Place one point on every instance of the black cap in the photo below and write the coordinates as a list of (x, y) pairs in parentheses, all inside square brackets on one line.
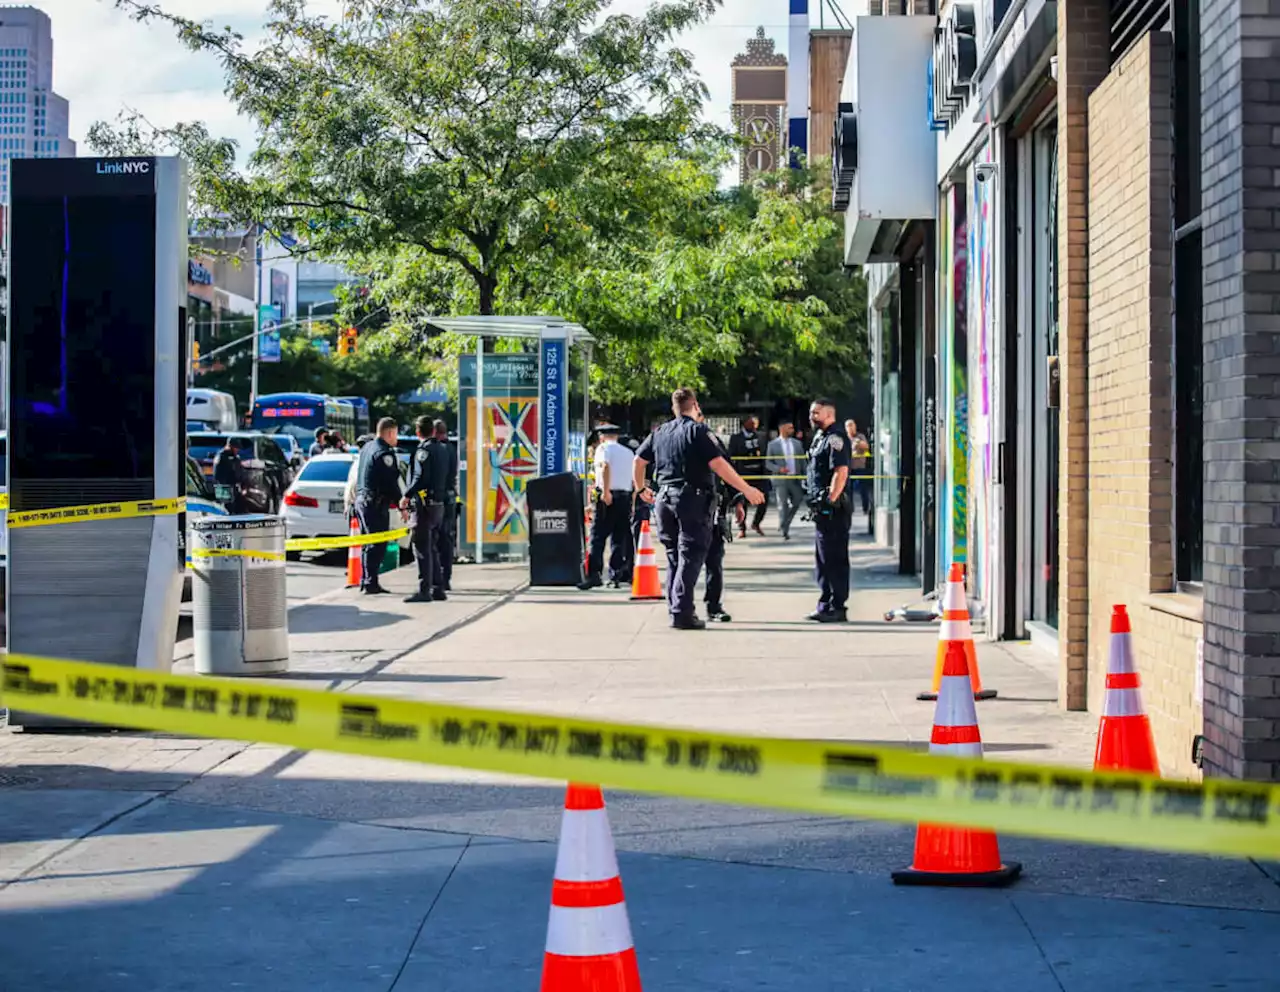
[(608, 429)]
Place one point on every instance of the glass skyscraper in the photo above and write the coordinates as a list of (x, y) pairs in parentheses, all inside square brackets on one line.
[(33, 119)]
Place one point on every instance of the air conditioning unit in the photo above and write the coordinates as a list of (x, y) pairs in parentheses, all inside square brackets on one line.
[(884, 168)]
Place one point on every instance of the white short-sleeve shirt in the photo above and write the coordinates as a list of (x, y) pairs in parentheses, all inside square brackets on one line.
[(620, 459)]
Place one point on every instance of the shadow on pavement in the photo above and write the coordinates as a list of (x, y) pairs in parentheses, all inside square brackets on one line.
[(324, 618)]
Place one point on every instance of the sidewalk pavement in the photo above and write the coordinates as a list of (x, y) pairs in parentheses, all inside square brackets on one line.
[(148, 862)]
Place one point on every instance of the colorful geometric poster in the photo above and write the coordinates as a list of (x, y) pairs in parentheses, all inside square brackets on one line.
[(505, 419)]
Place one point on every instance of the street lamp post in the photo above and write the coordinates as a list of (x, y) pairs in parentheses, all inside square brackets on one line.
[(257, 315)]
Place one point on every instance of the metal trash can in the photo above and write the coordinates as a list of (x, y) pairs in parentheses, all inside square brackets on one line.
[(239, 610)]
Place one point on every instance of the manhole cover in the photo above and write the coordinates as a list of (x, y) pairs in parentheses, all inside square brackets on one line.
[(8, 779)]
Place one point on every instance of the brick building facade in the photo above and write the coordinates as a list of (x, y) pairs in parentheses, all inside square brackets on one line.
[(1100, 372)]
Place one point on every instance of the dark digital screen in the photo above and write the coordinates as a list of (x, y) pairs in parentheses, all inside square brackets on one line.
[(82, 335)]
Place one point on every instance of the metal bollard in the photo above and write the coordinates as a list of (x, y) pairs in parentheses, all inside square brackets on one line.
[(239, 606)]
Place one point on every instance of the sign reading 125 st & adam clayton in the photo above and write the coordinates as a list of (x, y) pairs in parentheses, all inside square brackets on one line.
[(552, 411)]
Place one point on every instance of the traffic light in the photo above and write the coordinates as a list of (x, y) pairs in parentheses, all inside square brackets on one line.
[(195, 356), (347, 341)]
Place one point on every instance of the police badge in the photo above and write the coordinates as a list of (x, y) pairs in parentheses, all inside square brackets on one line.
[(837, 442), (389, 460)]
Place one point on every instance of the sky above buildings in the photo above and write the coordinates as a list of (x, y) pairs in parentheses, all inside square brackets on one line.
[(104, 62)]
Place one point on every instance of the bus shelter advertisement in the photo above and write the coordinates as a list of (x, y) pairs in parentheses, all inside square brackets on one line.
[(504, 419)]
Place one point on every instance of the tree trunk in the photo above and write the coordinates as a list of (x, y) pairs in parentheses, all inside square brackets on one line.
[(487, 285)]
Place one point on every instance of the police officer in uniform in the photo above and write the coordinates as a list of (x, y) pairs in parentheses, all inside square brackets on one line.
[(378, 489), (611, 509), (832, 510), (685, 460), (444, 483), (425, 499), (747, 455), (721, 535)]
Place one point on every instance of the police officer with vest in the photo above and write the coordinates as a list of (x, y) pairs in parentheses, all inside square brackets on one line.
[(426, 500), (378, 489), (832, 510), (686, 461)]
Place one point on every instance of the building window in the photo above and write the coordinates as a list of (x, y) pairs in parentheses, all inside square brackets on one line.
[(1188, 313)]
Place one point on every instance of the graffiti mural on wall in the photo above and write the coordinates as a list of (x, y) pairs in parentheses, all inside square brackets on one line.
[(959, 414), (980, 304)]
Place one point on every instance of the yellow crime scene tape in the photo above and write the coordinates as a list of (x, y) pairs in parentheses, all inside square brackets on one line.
[(95, 511), (350, 541), (838, 778), (236, 553)]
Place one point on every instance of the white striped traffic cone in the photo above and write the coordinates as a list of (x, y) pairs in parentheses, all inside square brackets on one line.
[(354, 566), (644, 576), (1125, 741), (589, 946), (955, 626), (946, 855)]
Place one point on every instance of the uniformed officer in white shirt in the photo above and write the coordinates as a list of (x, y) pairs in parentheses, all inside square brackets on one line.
[(612, 517)]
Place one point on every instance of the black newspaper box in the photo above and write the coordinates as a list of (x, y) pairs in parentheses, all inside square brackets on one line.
[(556, 539)]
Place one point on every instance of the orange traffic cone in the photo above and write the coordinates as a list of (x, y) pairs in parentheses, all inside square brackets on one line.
[(959, 856), (644, 577), (589, 946), (353, 557), (1124, 734), (955, 627)]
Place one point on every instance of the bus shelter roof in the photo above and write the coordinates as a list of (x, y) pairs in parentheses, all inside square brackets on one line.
[(512, 327)]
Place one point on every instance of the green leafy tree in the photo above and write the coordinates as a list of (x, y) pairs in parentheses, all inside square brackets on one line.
[(513, 156), (830, 360), (454, 128)]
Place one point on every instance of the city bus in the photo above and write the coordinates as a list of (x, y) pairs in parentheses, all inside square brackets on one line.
[(361, 406), (300, 414)]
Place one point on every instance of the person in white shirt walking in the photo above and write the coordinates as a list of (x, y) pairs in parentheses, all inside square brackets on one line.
[(783, 463), (611, 521)]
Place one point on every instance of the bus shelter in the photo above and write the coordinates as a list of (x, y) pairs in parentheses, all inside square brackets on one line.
[(521, 414)]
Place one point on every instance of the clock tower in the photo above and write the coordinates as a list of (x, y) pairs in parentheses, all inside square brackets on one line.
[(759, 107)]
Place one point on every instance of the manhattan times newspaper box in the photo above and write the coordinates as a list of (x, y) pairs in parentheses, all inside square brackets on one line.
[(556, 539)]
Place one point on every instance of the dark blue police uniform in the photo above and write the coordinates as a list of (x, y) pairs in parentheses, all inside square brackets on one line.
[(829, 451), (444, 486), (720, 517), (377, 491), (427, 496), (681, 452)]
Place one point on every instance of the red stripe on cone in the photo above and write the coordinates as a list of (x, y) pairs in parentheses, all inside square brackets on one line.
[(598, 973), (577, 895)]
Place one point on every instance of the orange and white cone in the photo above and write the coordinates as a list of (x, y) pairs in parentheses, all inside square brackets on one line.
[(1124, 733), (956, 856), (353, 557), (644, 577), (955, 626), (589, 945)]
